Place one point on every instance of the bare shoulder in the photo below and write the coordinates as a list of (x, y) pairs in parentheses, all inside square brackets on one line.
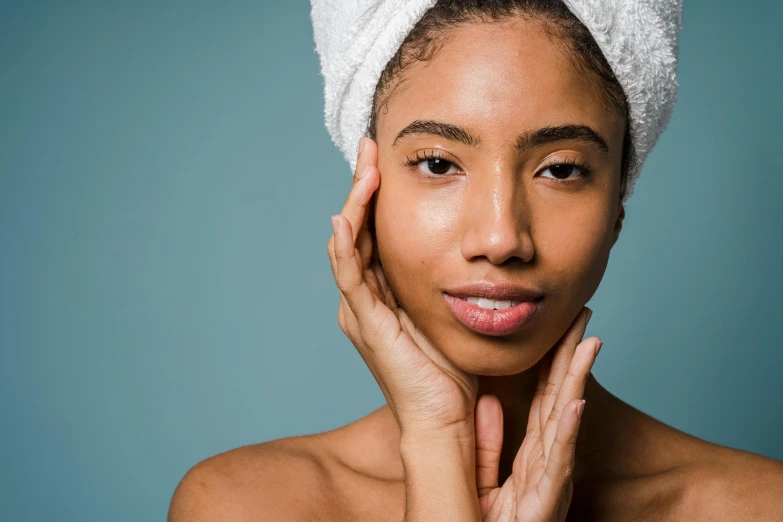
[(664, 473), (283, 479), (729, 484)]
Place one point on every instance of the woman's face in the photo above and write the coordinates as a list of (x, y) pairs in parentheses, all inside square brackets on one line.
[(527, 193)]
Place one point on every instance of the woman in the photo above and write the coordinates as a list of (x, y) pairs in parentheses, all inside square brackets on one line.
[(488, 193)]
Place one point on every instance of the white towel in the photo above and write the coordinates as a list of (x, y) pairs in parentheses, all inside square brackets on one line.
[(355, 39)]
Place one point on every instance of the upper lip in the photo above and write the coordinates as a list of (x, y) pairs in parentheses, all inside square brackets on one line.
[(498, 291)]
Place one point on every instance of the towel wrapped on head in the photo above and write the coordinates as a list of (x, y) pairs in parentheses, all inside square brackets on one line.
[(355, 39)]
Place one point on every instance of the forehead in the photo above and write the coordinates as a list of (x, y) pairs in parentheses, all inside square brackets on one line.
[(500, 78)]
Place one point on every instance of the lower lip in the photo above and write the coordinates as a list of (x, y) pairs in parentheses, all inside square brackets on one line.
[(492, 322)]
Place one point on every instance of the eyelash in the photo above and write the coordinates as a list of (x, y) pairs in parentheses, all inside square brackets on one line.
[(586, 170), (413, 162)]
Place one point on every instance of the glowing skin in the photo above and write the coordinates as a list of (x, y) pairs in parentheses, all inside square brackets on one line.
[(497, 213)]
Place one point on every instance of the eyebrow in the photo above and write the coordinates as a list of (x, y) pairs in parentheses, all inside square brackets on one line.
[(437, 128), (542, 136)]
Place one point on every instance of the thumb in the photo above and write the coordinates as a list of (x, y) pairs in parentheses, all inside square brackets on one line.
[(489, 442)]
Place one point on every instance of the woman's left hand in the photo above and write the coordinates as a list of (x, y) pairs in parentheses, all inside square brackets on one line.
[(539, 488)]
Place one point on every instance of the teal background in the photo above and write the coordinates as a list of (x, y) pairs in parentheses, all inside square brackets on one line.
[(166, 182)]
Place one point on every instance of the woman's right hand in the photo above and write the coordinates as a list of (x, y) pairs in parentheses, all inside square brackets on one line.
[(427, 394)]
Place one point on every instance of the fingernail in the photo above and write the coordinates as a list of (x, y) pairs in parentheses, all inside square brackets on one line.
[(364, 171), (600, 343), (580, 409), (361, 145), (334, 223)]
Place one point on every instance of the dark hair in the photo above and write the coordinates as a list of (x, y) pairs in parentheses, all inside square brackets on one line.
[(423, 40)]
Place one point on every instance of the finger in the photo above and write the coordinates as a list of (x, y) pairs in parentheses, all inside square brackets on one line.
[(350, 327), (347, 320), (347, 268), (373, 317), (365, 181), (362, 315), (560, 464), (365, 155), (388, 295), (364, 240), (373, 283), (533, 418), (343, 261), (573, 387), (533, 431), (489, 442), (330, 252), (564, 353), (371, 276)]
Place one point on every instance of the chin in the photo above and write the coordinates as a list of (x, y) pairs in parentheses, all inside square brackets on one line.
[(477, 353), (485, 355)]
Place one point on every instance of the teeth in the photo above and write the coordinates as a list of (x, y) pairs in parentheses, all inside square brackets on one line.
[(490, 304)]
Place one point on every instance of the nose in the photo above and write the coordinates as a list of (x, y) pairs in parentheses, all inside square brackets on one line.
[(497, 219)]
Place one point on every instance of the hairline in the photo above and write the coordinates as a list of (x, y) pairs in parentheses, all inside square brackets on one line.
[(553, 27)]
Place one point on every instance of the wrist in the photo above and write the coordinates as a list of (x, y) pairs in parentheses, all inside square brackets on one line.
[(457, 434), (440, 478), (457, 440), (421, 444)]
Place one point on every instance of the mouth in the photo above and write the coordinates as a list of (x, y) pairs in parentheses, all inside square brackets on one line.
[(495, 309)]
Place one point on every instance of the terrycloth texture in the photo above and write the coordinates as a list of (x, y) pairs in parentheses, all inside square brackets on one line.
[(355, 39)]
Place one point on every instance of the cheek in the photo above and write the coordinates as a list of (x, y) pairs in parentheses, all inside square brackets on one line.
[(415, 231), (573, 248)]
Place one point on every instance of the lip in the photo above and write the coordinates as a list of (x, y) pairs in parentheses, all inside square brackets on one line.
[(493, 322), (499, 291)]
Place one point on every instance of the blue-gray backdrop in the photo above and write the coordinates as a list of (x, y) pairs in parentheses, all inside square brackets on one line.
[(166, 182)]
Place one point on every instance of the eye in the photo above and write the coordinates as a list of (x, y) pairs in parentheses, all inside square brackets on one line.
[(432, 164), (437, 166), (565, 171)]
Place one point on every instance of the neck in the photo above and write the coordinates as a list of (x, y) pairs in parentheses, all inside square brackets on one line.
[(515, 393)]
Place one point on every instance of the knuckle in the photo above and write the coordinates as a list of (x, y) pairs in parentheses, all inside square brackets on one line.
[(338, 253), (384, 330), (344, 289), (348, 326), (354, 336), (551, 388), (344, 253)]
